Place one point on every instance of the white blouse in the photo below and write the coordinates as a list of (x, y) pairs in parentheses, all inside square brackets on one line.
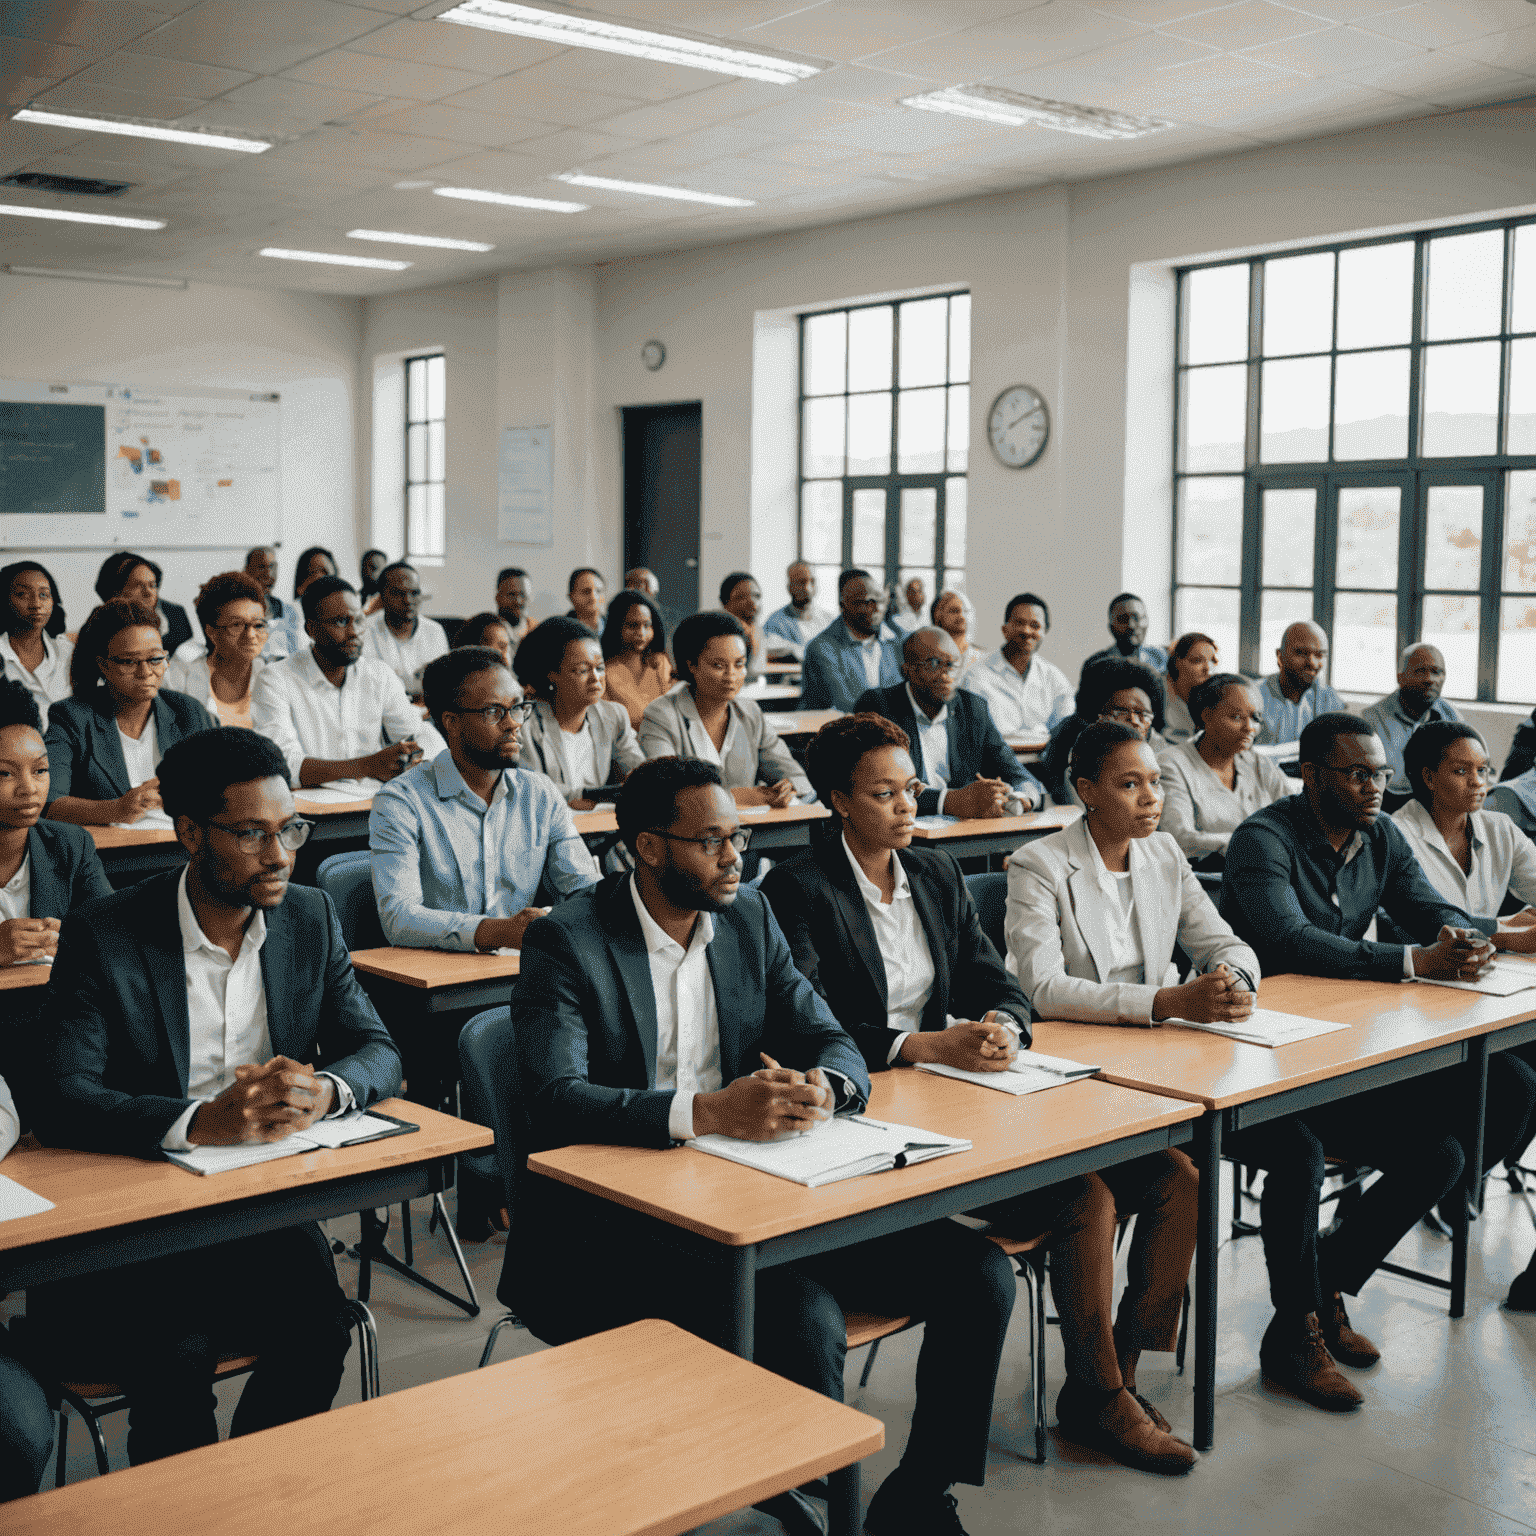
[(904, 948), (1199, 810), (50, 682), (1503, 859)]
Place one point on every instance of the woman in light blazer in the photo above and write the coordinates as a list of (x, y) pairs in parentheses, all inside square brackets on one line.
[(704, 716), (574, 736)]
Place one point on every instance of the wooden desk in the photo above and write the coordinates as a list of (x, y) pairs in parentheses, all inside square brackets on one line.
[(111, 1210), (782, 668), (344, 822), (130, 854), (602, 1437), (438, 980), (772, 829), (802, 722), (978, 838), (774, 696), (17, 978)]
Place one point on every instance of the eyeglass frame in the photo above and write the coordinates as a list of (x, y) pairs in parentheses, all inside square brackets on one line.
[(156, 663), (1380, 777), (704, 842), (523, 709), (259, 626), (249, 839), (1123, 714)]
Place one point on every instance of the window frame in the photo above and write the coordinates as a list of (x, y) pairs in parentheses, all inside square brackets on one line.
[(419, 556)]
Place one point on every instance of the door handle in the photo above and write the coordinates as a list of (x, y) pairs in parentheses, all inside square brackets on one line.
[(691, 563)]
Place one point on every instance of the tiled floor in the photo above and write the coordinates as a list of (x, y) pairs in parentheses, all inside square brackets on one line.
[(1446, 1442)]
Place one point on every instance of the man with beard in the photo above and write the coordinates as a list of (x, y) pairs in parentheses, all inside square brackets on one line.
[(514, 591), (1420, 677), (1027, 695), (1297, 694)]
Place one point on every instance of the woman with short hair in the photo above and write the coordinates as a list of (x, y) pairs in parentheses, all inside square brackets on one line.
[(221, 672), (138, 580)]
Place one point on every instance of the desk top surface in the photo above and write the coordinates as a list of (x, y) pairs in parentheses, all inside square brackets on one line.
[(752, 817), (17, 978), (735, 1205), (332, 808), (429, 968), (1388, 1020), (1052, 819), (129, 837), (99, 1191), (802, 722), (585, 1439)]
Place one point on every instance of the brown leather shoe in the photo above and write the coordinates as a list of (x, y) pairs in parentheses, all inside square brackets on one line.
[(1151, 1412), (1122, 1430), (1345, 1345), (1293, 1354)]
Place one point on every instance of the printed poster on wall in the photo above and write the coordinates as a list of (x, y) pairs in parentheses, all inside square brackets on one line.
[(525, 511)]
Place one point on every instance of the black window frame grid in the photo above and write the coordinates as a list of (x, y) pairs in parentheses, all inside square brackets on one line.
[(425, 358)]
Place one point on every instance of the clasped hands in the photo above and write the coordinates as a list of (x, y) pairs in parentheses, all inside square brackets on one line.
[(969, 1044), (28, 938), (770, 1105), (264, 1103), (1459, 954)]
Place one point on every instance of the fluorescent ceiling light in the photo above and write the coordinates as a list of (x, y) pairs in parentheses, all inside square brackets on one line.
[(87, 276), (506, 199), (69, 216), (647, 189), (136, 130), (437, 242), (331, 260), (1012, 109), (610, 37)]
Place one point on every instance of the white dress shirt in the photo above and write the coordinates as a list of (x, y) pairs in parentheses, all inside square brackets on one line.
[(1027, 707), (1128, 964), (869, 655), (933, 736), (10, 1121), (16, 901), (405, 658), (580, 757), (50, 682), (1503, 860), (704, 743), (141, 758), (687, 1025)]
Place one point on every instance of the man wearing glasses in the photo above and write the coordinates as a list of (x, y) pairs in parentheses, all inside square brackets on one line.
[(209, 1006), (341, 718), (954, 742)]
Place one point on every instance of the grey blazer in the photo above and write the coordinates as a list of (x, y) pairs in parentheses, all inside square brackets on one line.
[(753, 752), (1059, 922), (615, 751)]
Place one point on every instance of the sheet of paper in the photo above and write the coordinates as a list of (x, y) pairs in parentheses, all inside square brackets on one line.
[(1062, 1066), (246, 1155), (1016, 1080), (347, 1129), (17, 1200), (340, 791), (841, 1148), (1501, 981), (1267, 1026)]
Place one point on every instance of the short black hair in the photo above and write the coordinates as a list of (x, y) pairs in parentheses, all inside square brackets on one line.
[(840, 745), (542, 650), (731, 582), (369, 585), (442, 678), (1031, 598), (853, 573), (583, 570), (1104, 676), (1209, 694), (1426, 747), (1183, 646), (115, 571), (472, 630), (511, 570), (649, 796), (1093, 746), (696, 631), (8, 573), (196, 771), (618, 611), (226, 587), (303, 563), (1319, 735), (321, 588), (395, 565), (17, 706), (1126, 597)]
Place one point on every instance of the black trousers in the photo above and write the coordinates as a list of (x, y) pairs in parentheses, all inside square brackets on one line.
[(26, 1427), (159, 1328)]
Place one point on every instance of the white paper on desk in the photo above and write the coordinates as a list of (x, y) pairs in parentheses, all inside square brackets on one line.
[(932, 823), (346, 1129), (1028, 1072), (323, 1134), (842, 1148), (150, 821), (340, 791), (753, 810), (1501, 981), (1266, 1026), (17, 1200)]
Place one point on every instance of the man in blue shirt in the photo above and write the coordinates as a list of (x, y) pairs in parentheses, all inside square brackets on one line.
[(460, 845), (1420, 677), (849, 656), (1128, 624), (1297, 694), (791, 628)]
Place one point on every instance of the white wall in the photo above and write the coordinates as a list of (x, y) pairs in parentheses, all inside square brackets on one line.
[(303, 346)]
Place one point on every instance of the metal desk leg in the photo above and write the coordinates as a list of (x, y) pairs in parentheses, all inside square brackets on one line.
[(844, 1515), (1472, 1180), (742, 1301), (1207, 1151)]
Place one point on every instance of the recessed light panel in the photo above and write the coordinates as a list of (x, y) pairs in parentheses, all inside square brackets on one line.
[(508, 200), (69, 216), (1013, 109), (650, 189), (437, 242), (330, 259), (137, 130)]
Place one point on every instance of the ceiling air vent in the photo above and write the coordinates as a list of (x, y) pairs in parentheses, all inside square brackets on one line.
[(74, 186)]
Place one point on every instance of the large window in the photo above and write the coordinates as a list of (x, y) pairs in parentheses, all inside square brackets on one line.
[(884, 433), (1356, 444), (425, 458)]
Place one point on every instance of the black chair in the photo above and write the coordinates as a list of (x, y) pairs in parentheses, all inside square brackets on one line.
[(990, 893)]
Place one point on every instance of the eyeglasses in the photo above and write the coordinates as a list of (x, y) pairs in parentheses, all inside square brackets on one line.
[(1128, 716), (711, 845), (342, 625), (494, 714), (139, 663), (258, 628), (585, 672), (291, 835), (1358, 778), (933, 665)]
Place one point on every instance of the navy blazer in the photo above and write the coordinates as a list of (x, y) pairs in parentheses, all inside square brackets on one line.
[(178, 627), (826, 922), (118, 1034), (85, 757), (66, 869), (832, 676), (975, 743)]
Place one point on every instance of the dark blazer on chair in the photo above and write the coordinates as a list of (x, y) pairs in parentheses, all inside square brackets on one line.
[(975, 744), (85, 757), (118, 1031), (178, 627), (66, 869), (824, 918)]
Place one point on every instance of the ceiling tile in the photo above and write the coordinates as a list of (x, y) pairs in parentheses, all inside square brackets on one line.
[(21, 142), (860, 84), (1157, 13), (585, 69), (1348, 10), (565, 150), (1060, 30), (486, 130), (263, 36), (804, 154), (293, 102), (805, 118), (1135, 59), (651, 122), (731, 99), (492, 170), (1445, 80), (77, 96), (374, 75), (85, 23), (907, 132), (1245, 25), (454, 47), (706, 16), (371, 151), (850, 29), (1508, 50), (18, 90), (1449, 21), (548, 105), (687, 149), (1334, 52), (45, 61), (166, 77), (1314, 100)]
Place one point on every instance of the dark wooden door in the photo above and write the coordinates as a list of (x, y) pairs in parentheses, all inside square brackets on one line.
[(662, 477)]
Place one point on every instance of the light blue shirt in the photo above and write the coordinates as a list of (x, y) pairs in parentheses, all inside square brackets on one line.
[(1283, 720), (1395, 725), (444, 860), (1153, 656)]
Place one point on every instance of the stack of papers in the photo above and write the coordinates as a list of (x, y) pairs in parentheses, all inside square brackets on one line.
[(17, 1200), (1029, 1072), (1504, 979), (341, 1132), (842, 1148), (1264, 1026)]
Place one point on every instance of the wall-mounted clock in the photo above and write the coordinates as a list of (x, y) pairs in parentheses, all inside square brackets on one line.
[(653, 355), (1018, 426)]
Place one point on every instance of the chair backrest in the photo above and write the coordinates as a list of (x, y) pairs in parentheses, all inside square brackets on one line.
[(990, 893), (347, 878), (488, 1085)]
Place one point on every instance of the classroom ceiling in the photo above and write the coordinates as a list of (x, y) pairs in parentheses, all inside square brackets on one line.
[(374, 103)]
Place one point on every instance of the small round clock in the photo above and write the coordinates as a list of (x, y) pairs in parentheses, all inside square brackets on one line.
[(1018, 426), (653, 355)]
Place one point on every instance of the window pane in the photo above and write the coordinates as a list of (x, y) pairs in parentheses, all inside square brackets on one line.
[(1290, 528), (960, 339), (821, 437), (1298, 304), (437, 388), (436, 452), (1522, 397), (1451, 623), (954, 521), (1293, 420), (1211, 530), (1370, 406), (957, 451), (1368, 518), (869, 531), (1517, 650), (415, 453), (821, 522), (1212, 418), (1376, 295), (1277, 611), (920, 432), (1453, 538), (434, 541), (869, 434), (1213, 613), (1365, 641), (924, 342), (869, 348), (1524, 317), (1216, 314), (826, 583), (1466, 281), (826, 354), (1519, 533), (415, 516), (416, 390), (919, 525), (954, 581), (1461, 399)]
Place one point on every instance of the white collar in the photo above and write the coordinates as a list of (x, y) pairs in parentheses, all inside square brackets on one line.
[(921, 715), (1416, 812), (194, 939), (657, 940), (871, 892), (863, 645), (1108, 879)]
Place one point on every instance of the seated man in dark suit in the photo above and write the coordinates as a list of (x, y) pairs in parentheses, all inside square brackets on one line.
[(194, 1009), (642, 1013), (954, 742)]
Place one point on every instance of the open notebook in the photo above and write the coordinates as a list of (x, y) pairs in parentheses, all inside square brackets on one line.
[(344, 1131), (841, 1148), (1502, 979), (1029, 1072), (1266, 1026)]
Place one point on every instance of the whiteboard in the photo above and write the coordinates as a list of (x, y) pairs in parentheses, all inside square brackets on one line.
[(111, 464)]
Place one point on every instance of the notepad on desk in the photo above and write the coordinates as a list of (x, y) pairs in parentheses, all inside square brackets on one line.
[(17, 1200), (1266, 1026), (1028, 1072), (843, 1148), (344, 1131), (1501, 980)]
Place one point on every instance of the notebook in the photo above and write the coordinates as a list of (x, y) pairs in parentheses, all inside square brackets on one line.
[(17, 1200), (843, 1148), (344, 1131), (1029, 1072), (1503, 980), (1266, 1026)]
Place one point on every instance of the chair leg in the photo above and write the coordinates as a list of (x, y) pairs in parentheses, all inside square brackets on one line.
[(408, 1239), (360, 1318), (509, 1320), (869, 1364), (1036, 1282), (99, 1440), (58, 1475), (1178, 1354)]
